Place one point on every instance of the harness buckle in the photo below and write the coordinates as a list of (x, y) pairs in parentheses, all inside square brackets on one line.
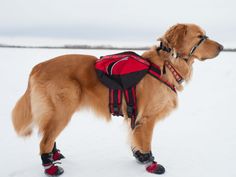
[(116, 109), (130, 111), (181, 81)]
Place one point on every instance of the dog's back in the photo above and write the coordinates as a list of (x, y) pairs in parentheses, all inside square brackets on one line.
[(57, 88)]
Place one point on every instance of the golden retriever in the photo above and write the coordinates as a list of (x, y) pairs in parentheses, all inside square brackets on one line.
[(65, 84)]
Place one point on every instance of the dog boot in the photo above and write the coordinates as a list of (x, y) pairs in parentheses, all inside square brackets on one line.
[(51, 169), (56, 154), (148, 159), (143, 158), (154, 167)]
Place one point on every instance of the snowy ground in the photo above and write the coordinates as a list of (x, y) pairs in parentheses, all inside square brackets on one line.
[(197, 140)]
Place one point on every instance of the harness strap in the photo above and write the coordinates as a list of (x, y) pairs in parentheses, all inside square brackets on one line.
[(202, 39), (130, 97), (115, 100), (155, 71)]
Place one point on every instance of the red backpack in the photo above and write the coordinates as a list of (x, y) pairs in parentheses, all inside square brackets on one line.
[(121, 73)]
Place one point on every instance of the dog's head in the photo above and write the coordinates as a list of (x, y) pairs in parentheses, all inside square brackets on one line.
[(184, 37)]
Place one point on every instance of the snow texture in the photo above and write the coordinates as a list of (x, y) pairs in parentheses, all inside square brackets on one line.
[(197, 140)]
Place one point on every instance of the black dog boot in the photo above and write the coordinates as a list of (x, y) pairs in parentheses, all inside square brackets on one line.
[(148, 159), (57, 156), (143, 158), (51, 169)]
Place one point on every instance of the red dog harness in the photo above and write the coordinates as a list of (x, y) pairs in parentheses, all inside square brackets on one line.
[(121, 73)]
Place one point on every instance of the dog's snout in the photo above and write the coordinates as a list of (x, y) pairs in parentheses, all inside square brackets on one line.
[(221, 47)]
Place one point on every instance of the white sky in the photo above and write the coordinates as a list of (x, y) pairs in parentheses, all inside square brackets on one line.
[(115, 20)]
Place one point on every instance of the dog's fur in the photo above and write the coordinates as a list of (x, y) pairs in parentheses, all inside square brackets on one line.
[(60, 86)]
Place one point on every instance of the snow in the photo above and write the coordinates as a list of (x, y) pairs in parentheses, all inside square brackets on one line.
[(198, 139)]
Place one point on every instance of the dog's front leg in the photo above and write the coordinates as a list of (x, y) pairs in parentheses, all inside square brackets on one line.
[(141, 138)]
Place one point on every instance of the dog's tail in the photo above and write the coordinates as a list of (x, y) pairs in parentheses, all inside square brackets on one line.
[(22, 116)]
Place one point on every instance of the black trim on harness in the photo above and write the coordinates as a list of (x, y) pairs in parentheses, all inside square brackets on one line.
[(130, 98), (155, 69), (115, 100)]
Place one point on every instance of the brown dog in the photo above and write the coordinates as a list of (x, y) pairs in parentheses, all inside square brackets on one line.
[(60, 86)]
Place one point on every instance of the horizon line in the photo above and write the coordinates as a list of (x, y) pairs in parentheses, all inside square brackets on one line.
[(88, 47)]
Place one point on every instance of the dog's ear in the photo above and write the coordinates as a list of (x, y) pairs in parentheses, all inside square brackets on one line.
[(175, 36)]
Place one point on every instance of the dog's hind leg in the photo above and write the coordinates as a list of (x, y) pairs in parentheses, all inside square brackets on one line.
[(53, 108), (50, 133), (47, 145)]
